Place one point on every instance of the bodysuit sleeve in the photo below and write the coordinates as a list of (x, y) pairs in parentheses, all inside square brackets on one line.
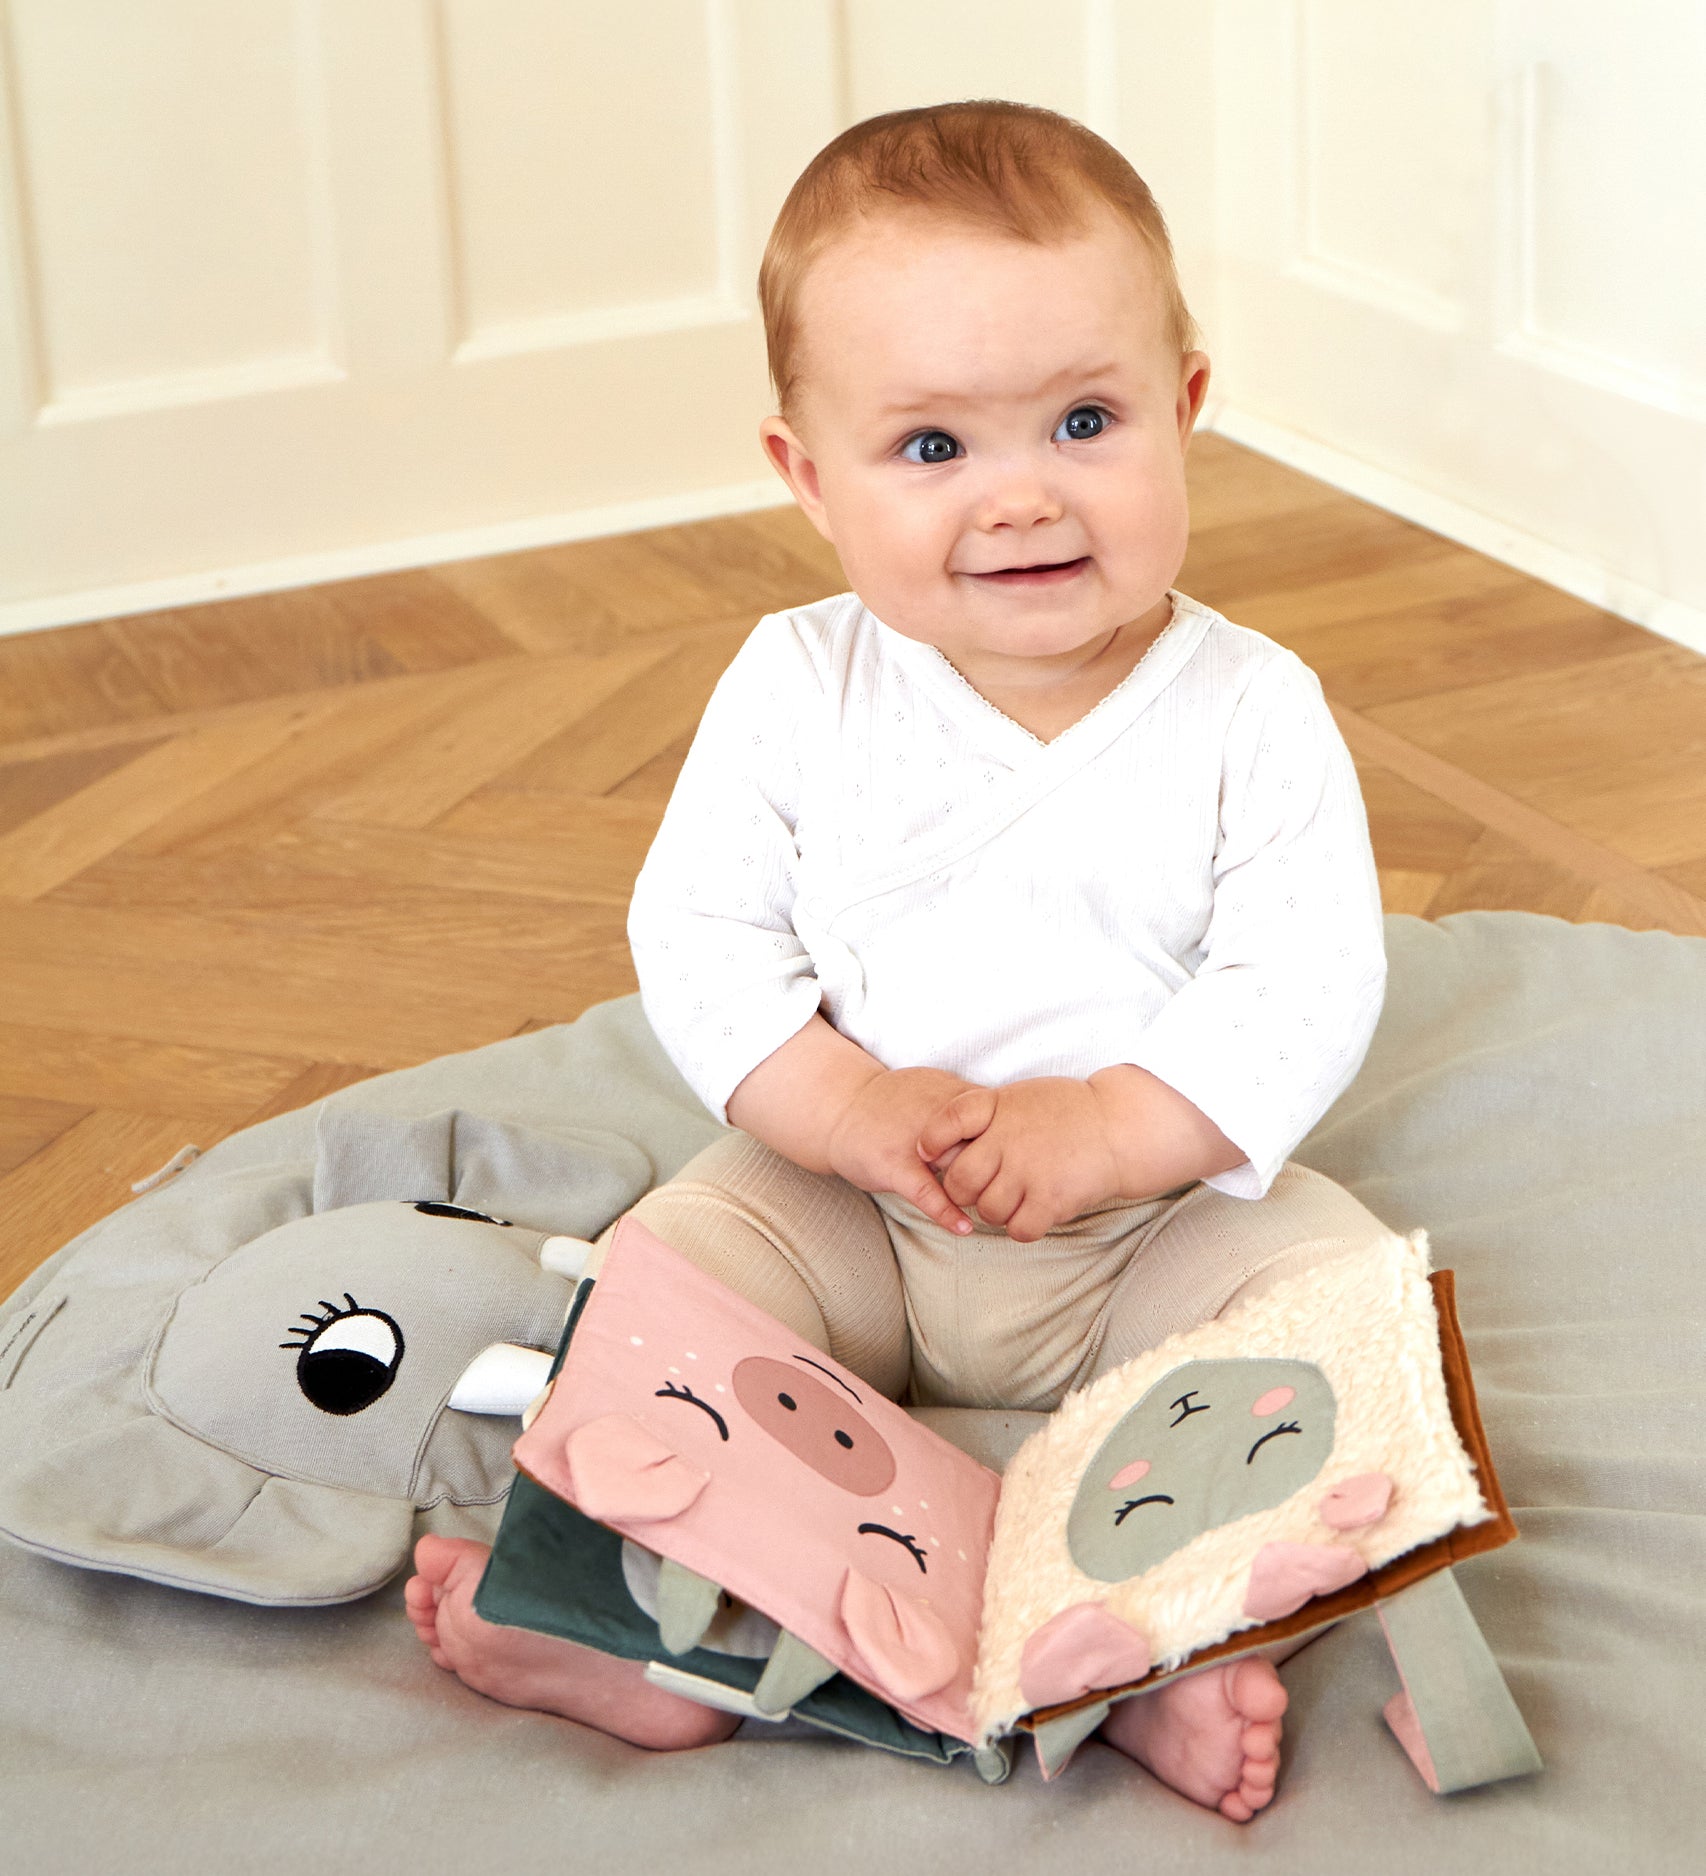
[(1278, 1017), (723, 978)]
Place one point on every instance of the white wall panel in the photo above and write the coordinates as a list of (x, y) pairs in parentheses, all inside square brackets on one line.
[(902, 53), (603, 204), (1391, 150), (1611, 233), (172, 198)]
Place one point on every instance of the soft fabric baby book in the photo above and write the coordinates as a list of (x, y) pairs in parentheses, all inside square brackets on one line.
[(708, 1493)]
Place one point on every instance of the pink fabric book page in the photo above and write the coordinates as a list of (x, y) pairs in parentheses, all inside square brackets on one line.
[(702, 1428)]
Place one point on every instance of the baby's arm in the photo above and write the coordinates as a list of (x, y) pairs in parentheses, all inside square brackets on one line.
[(1036, 1153), (727, 983), (828, 1106), (1248, 1054)]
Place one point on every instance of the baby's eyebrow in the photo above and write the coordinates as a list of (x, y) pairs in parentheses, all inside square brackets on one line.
[(930, 403)]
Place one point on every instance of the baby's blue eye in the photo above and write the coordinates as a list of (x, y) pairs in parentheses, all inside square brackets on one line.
[(930, 446), (1078, 425)]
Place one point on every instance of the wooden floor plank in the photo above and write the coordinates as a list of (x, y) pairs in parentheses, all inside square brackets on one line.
[(83, 1070), (1436, 646), (353, 730), (28, 1123), (1554, 847), (126, 802), (637, 722), (32, 785), (328, 983), (531, 703), (74, 678), (84, 1174), (591, 595)]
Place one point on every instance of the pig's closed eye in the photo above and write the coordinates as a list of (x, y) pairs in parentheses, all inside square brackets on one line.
[(671, 1391), (910, 1543), (1273, 1433)]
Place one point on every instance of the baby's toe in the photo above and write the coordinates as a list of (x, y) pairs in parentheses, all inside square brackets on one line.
[(1260, 1740)]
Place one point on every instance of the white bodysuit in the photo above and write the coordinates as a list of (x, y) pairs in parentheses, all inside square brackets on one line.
[(1182, 879)]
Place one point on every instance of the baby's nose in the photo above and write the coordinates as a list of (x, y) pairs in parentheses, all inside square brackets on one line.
[(1019, 493)]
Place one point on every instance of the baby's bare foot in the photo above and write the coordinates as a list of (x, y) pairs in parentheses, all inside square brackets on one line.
[(1213, 1735), (525, 1669)]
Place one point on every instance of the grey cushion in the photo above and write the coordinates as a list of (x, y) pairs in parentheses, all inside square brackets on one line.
[(1536, 1097)]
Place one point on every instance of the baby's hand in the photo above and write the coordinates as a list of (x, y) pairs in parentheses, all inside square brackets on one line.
[(1029, 1156), (874, 1142)]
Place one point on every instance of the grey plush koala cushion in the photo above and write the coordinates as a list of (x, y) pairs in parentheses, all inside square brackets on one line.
[(1535, 1097)]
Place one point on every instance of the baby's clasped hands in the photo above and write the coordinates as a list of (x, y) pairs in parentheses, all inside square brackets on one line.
[(1030, 1156)]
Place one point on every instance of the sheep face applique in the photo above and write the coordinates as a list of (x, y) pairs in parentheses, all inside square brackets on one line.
[(1209, 1442)]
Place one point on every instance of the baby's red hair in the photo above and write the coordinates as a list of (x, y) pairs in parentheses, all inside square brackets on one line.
[(1027, 172)]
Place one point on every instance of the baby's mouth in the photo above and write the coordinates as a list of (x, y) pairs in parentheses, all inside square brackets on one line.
[(1049, 573)]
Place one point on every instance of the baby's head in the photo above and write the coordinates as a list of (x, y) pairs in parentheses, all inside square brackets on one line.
[(984, 363)]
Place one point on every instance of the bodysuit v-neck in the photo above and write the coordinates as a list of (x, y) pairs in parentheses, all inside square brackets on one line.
[(1181, 879)]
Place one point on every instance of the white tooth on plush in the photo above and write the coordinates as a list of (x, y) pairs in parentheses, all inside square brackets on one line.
[(502, 1379)]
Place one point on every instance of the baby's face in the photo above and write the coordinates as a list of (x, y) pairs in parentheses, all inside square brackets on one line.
[(992, 434)]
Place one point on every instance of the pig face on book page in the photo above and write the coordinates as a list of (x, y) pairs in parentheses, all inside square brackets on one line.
[(705, 1430)]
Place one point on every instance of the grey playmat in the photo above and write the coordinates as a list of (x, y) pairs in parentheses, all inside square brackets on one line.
[(1535, 1097)]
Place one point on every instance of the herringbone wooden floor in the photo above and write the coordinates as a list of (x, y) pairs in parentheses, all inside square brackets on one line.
[(256, 850)]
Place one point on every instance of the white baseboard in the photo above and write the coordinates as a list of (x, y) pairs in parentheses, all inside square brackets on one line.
[(1586, 579), (420, 550)]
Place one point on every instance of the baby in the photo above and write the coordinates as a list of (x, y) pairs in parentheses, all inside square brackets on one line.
[(1016, 909)]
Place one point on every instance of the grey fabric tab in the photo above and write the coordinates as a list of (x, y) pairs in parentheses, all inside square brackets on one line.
[(794, 1670), (1058, 1739), (1474, 1733), (362, 1154), (686, 1604)]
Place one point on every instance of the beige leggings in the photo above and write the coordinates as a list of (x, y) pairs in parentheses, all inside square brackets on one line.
[(981, 1321)]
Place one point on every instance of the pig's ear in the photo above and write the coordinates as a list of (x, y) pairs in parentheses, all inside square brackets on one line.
[(623, 1474), (1078, 1651), (900, 1639)]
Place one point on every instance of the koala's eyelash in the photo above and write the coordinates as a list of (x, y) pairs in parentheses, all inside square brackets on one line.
[(670, 1391), (1273, 1433), (334, 1311), (1131, 1504)]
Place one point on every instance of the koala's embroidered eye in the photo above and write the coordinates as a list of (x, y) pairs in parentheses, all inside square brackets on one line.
[(436, 1208), (346, 1358)]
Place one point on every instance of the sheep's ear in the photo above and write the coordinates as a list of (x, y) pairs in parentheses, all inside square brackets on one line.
[(361, 1154), (1081, 1650), (145, 1499)]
